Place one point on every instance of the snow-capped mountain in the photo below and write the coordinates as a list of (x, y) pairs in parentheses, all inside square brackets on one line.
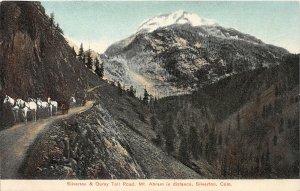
[(178, 17), (179, 52)]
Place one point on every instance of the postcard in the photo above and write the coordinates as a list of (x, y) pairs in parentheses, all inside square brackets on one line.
[(149, 95)]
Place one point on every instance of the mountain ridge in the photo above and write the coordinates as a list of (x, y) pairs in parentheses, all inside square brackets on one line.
[(184, 55)]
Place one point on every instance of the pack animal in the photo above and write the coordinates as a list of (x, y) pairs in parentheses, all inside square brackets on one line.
[(72, 101), (53, 105), (14, 107), (26, 107), (43, 105)]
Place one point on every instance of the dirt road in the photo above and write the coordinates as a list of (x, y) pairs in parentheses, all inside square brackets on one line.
[(15, 141)]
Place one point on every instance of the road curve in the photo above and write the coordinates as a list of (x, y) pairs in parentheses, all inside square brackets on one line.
[(15, 141)]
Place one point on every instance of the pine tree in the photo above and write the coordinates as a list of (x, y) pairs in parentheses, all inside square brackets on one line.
[(131, 91), (102, 69), (257, 167), (154, 122), (206, 151), (73, 51), (80, 53), (268, 167), (194, 142), (212, 139), (157, 141), (99, 68), (59, 29), (52, 21), (83, 59), (146, 97), (89, 62), (183, 152), (224, 166), (169, 133), (120, 91)]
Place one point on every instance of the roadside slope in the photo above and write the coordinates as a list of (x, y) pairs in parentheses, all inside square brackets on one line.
[(16, 141), (93, 145)]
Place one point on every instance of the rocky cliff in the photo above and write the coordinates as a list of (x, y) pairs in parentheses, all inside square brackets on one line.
[(35, 59)]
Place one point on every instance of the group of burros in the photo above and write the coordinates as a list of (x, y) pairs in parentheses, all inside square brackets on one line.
[(34, 106)]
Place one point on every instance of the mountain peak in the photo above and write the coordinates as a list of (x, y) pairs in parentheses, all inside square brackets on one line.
[(178, 17)]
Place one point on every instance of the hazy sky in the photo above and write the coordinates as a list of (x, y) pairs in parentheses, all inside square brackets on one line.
[(99, 23)]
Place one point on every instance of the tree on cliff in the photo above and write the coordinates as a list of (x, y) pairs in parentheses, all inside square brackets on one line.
[(80, 53), (120, 90), (169, 133), (59, 29), (89, 62), (99, 68), (131, 91), (146, 97), (52, 21), (193, 142), (183, 151), (73, 51), (84, 59)]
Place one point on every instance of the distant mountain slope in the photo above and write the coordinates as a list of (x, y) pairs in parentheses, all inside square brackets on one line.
[(177, 56), (245, 126)]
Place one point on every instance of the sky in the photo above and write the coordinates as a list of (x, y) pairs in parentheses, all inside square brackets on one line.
[(97, 24)]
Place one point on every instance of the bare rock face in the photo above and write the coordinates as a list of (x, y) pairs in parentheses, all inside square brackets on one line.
[(86, 146), (35, 59)]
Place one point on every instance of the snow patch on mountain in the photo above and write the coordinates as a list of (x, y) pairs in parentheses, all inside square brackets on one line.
[(178, 17)]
